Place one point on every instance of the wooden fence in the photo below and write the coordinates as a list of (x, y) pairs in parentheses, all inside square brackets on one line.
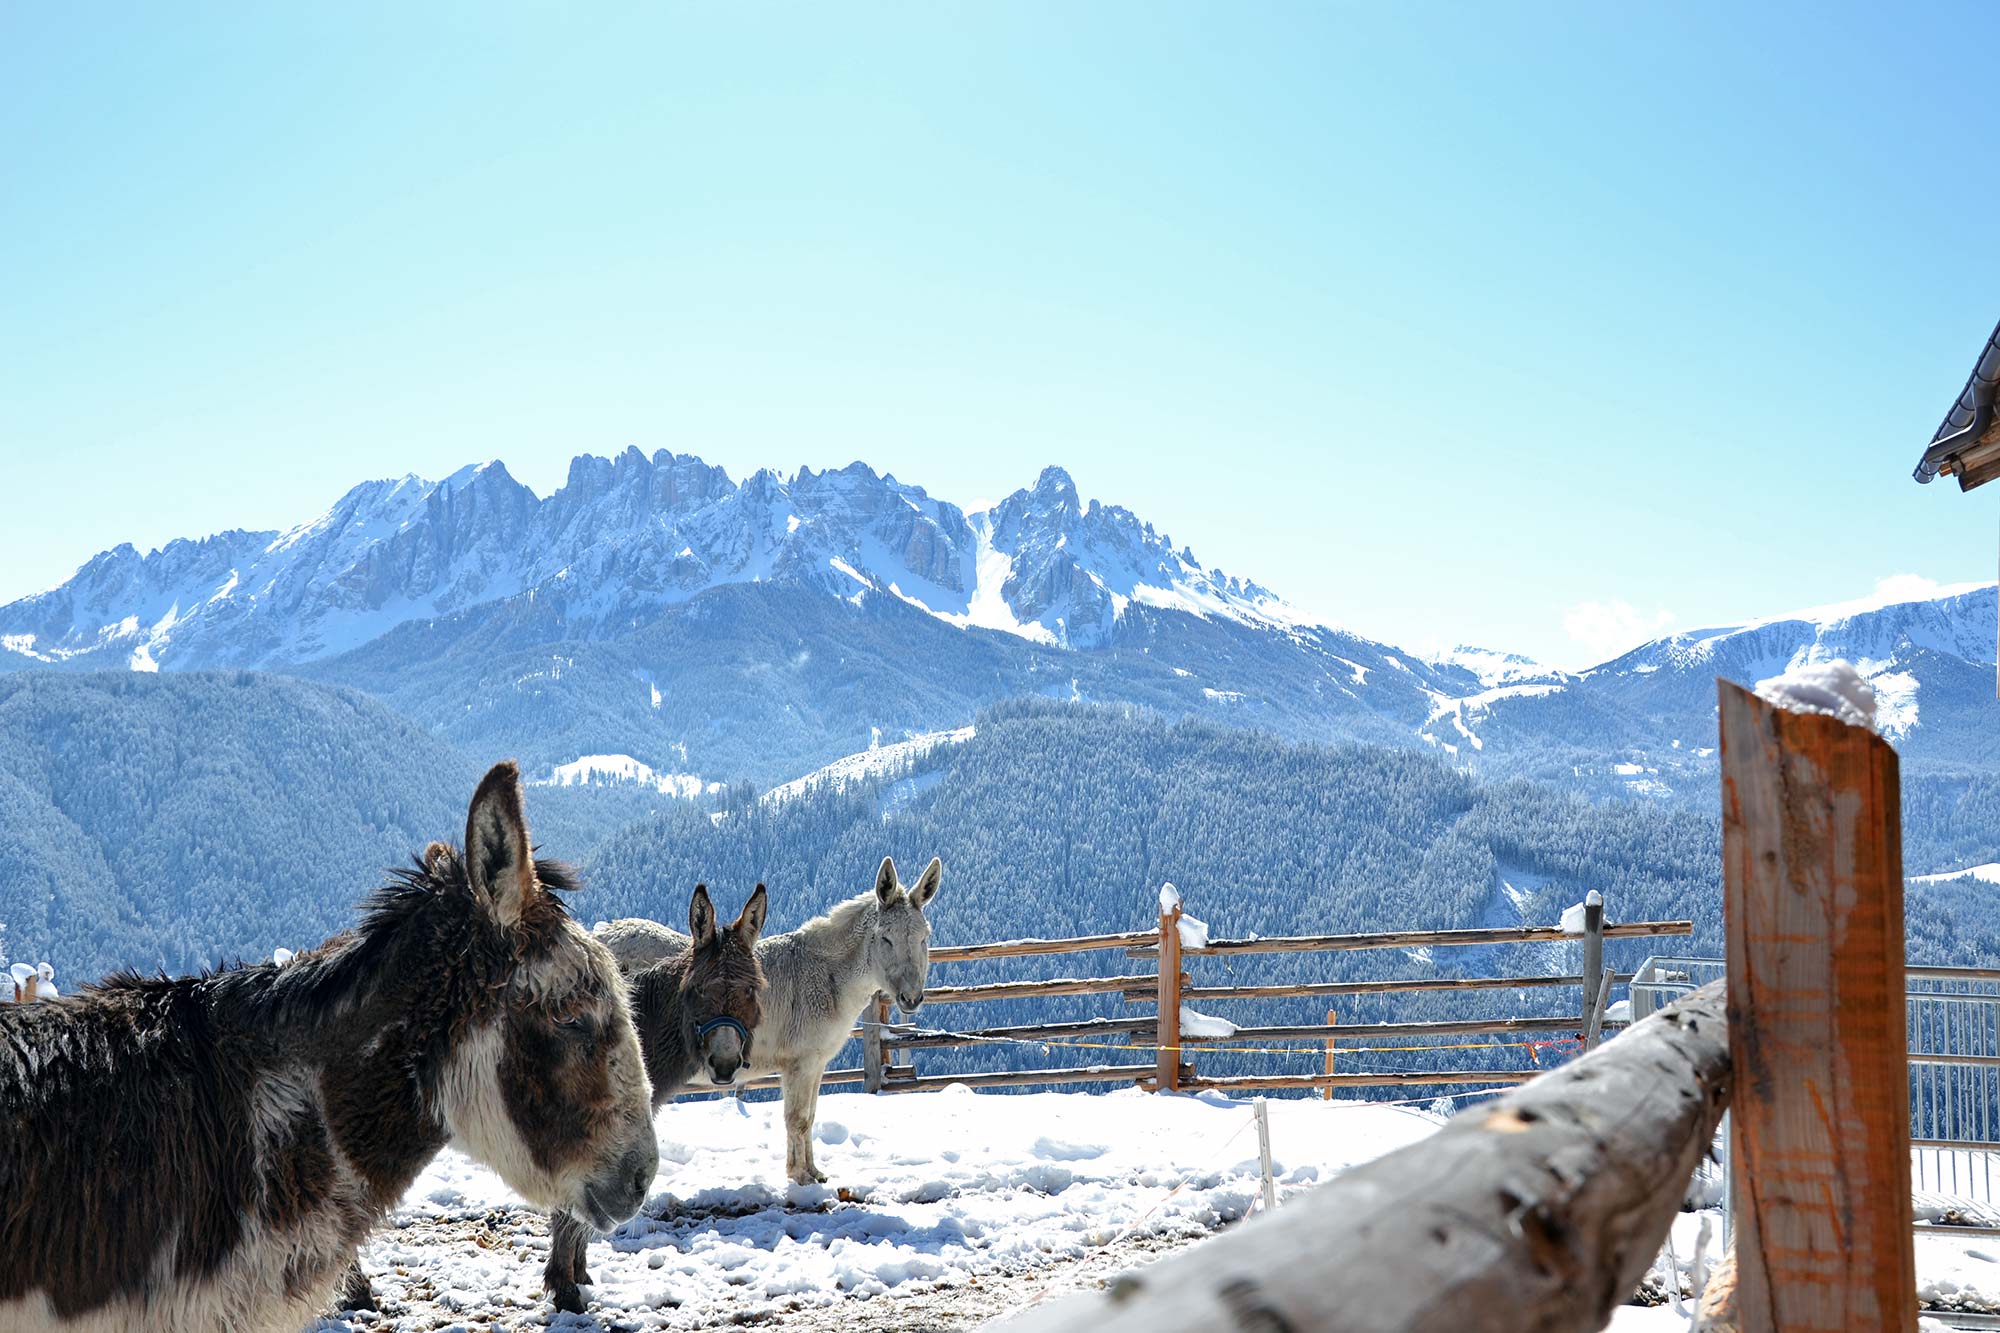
[(1161, 1053), (1540, 1211)]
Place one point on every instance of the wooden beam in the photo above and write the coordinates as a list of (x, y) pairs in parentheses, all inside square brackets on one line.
[(1813, 914), (1332, 1021), (871, 1042), (1419, 939), (1468, 1027), (1435, 1078), (1167, 1063), (965, 953), (1080, 1029), (1538, 1211), (1024, 1078), (1197, 994), (1141, 983)]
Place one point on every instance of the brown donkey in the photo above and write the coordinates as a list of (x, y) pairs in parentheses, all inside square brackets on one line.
[(181, 1156), (696, 1012)]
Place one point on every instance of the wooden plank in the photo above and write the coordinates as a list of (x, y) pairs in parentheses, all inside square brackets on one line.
[(1077, 1030), (1332, 1020), (1423, 939), (1813, 914), (871, 1043), (1468, 1027), (1167, 996), (1430, 1078), (1195, 994), (1593, 962), (1538, 1211), (965, 953), (1141, 983), (1025, 1078)]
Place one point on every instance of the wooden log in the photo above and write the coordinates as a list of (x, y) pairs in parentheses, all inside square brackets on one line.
[(1593, 1026), (871, 1043), (1167, 1064), (1332, 1020), (965, 953), (1021, 990), (1812, 868), (1469, 1027), (1025, 1078), (1081, 1029), (1593, 962), (1538, 1211), (1421, 939)]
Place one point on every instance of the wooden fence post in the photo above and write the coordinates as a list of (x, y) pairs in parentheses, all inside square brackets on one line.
[(1812, 864), (1593, 962), (1167, 1071), (1332, 1020), (871, 1043)]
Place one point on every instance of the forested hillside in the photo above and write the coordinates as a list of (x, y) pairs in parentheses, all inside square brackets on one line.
[(177, 821), (1063, 820)]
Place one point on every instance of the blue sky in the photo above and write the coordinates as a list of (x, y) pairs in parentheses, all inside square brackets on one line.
[(1537, 326)]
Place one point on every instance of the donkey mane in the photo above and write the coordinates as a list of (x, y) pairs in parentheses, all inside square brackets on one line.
[(329, 982), (840, 918)]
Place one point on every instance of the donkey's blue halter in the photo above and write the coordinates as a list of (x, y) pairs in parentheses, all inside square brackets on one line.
[(723, 1021)]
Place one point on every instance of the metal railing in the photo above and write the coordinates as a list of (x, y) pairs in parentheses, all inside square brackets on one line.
[(1954, 1040)]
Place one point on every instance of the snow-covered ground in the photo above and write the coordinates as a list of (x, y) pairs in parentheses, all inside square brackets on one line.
[(942, 1211), (942, 1190)]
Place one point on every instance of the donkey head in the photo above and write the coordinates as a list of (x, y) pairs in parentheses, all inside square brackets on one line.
[(722, 991), (900, 950), (549, 1088)]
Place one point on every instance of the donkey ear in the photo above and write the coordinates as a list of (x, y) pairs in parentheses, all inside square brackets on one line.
[(750, 924), (886, 885), (701, 917), (499, 863), (927, 884)]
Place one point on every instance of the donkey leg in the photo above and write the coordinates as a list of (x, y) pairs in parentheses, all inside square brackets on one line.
[(801, 1105), (355, 1292), (564, 1272)]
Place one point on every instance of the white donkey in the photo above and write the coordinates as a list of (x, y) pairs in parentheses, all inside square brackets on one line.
[(821, 976)]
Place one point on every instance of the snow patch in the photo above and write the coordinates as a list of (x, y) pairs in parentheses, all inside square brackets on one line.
[(1831, 689), (609, 769)]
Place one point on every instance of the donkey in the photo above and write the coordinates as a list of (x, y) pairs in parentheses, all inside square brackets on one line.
[(696, 1013), (212, 1149), (822, 976)]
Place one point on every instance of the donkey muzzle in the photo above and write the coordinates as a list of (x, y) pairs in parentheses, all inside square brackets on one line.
[(617, 1194)]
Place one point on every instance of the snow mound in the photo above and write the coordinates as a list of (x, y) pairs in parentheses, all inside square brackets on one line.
[(1194, 1024), (1834, 689), (1193, 932)]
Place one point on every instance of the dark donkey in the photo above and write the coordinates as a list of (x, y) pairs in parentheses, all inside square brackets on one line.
[(695, 1011), (205, 1153)]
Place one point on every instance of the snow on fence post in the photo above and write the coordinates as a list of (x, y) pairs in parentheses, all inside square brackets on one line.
[(1812, 868), (1167, 1066), (871, 1043), (1593, 962), (1540, 1210)]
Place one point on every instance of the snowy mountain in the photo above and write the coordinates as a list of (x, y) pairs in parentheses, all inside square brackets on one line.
[(622, 538), (654, 608), (1644, 723)]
